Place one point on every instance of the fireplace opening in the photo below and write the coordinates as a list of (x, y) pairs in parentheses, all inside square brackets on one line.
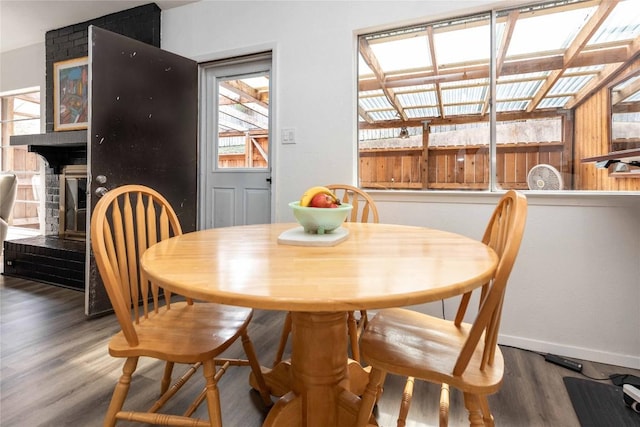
[(73, 202), (57, 258)]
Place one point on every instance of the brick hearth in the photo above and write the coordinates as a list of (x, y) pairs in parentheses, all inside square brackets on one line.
[(47, 259)]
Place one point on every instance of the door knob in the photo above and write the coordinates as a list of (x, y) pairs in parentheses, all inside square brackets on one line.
[(101, 191)]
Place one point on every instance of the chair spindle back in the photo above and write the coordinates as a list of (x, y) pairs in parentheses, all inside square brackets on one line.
[(124, 223), (363, 204), (504, 235)]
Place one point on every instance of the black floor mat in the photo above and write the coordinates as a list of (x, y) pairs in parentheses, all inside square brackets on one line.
[(599, 405)]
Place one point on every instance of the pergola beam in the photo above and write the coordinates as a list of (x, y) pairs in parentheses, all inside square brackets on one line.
[(576, 46), (372, 62), (614, 54)]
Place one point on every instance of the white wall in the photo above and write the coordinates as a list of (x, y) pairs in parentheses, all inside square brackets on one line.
[(29, 73), (24, 68), (575, 289)]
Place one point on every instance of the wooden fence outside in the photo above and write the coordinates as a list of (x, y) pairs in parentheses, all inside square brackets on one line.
[(254, 155), (458, 167)]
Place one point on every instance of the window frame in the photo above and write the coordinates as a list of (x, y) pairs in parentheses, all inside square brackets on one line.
[(493, 185), (28, 208)]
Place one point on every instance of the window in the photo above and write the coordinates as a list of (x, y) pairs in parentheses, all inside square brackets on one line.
[(428, 119), (20, 114), (243, 122)]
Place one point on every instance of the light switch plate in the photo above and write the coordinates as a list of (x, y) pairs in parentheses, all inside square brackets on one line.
[(288, 136)]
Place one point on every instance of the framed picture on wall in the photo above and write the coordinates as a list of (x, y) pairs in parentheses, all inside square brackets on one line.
[(71, 94)]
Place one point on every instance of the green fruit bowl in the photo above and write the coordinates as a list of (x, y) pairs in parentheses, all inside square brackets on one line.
[(320, 220)]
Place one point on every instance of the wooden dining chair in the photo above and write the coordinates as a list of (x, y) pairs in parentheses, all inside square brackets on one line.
[(449, 352), (363, 205), (364, 210), (154, 323)]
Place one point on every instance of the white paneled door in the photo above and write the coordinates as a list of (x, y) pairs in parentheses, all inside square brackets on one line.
[(235, 155)]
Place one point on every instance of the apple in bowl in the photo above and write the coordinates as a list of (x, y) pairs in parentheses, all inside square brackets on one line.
[(322, 200)]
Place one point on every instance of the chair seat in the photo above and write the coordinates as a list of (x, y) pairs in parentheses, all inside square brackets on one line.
[(185, 333), (412, 344)]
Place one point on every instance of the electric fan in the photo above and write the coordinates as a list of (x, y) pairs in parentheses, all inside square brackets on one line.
[(544, 177)]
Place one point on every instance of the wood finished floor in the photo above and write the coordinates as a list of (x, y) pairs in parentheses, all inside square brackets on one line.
[(55, 371)]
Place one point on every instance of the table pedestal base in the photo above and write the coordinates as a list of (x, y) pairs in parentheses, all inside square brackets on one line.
[(320, 386)]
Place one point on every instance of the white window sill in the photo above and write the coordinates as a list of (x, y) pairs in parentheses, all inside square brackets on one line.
[(542, 198)]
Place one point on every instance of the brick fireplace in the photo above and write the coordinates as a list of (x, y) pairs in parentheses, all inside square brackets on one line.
[(59, 257)]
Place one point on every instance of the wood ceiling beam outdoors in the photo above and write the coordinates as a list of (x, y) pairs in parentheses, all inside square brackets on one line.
[(244, 91), (634, 49), (247, 95), (609, 75), (580, 41), (365, 116), (610, 55), (574, 49), (435, 121), (371, 60), (510, 25), (434, 64), (625, 92), (595, 84), (25, 116), (29, 97), (593, 56), (427, 78), (546, 86), (245, 118), (631, 65), (255, 133), (632, 107), (630, 50), (230, 128), (225, 100)]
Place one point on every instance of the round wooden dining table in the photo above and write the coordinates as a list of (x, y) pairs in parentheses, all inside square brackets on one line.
[(376, 266)]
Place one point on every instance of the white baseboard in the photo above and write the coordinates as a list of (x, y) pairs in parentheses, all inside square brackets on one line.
[(625, 360)]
